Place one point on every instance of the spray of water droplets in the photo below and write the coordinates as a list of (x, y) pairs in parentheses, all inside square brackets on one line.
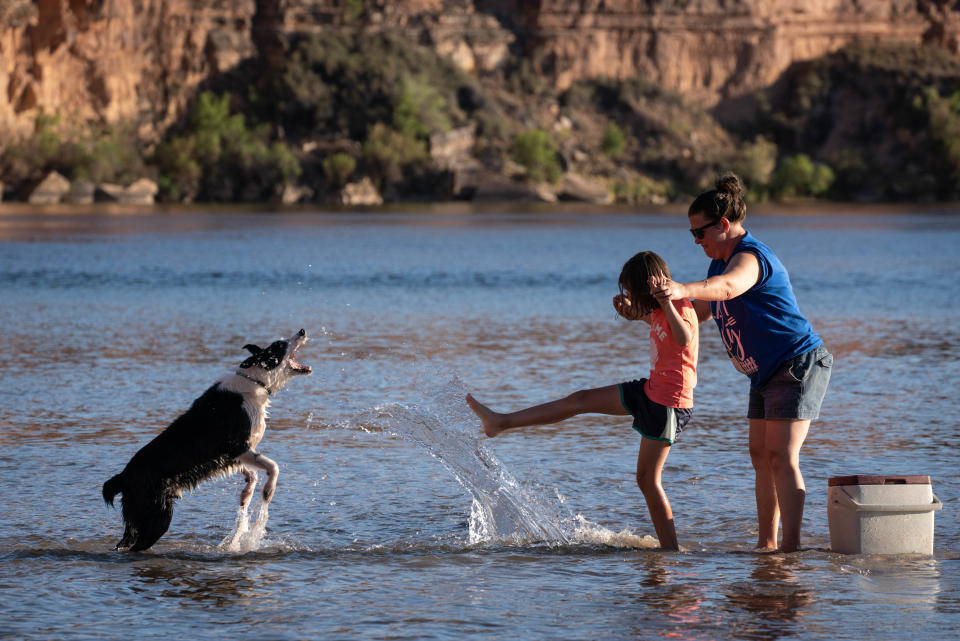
[(503, 510)]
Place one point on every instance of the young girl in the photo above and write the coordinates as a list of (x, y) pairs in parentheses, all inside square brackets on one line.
[(661, 405)]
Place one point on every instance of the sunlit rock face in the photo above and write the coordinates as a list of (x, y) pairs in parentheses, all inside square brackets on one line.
[(114, 60), (140, 61), (710, 49)]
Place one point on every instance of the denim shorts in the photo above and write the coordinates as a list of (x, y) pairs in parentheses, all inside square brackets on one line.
[(796, 389)]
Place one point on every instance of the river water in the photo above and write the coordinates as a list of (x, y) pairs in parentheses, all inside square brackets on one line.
[(394, 518)]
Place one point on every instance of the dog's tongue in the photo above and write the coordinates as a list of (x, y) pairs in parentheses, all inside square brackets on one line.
[(299, 367)]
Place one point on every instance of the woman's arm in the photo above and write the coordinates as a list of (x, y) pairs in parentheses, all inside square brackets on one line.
[(741, 274)]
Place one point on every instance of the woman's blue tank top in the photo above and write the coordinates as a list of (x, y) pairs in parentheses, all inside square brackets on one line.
[(763, 327)]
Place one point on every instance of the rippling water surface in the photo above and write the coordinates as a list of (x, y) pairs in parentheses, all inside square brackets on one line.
[(393, 517)]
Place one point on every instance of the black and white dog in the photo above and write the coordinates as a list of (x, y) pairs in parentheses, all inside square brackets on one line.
[(217, 436)]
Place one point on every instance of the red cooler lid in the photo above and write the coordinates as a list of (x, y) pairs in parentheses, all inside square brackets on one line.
[(864, 479)]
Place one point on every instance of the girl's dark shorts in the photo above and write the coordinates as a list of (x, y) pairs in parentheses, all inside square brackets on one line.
[(796, 389), (651, 419)]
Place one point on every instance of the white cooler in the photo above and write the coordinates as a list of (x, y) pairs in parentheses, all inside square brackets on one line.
[(881, 514)]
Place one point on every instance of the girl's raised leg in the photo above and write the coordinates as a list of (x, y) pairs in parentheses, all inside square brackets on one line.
[(600, 400)]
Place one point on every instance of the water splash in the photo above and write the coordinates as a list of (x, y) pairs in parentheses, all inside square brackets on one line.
[(246, 537), (502, 509)]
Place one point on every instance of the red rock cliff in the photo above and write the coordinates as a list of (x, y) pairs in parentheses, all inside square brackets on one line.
[(141, 60), (114, 60)]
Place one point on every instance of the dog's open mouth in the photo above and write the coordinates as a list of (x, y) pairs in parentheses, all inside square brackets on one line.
[(298, 368), (296, 342), (295, 366)]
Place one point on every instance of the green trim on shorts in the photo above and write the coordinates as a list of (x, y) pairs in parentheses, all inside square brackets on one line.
[(670, 428), (623, 402), (665, 440)]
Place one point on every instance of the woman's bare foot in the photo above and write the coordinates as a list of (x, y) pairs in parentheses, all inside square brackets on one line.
[(492, 421), (766, 550)]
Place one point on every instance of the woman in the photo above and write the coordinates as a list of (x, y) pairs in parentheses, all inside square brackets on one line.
[(747, 291)]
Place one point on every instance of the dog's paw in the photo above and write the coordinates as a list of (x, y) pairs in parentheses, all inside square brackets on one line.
[(268, 489)]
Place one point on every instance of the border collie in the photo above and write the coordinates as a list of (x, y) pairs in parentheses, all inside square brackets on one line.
[(217, 436)]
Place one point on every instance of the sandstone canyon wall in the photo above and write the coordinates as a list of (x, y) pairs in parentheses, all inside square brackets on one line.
[(114, 61), (140, 61), (710, 49)]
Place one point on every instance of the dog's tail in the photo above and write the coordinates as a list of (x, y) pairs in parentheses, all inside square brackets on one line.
[(113, 487)]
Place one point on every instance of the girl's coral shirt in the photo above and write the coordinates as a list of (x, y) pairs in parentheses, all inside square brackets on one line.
[(673, 369)]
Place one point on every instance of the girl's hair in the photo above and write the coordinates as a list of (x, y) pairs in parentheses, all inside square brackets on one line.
[(724, 201), (634, 278)]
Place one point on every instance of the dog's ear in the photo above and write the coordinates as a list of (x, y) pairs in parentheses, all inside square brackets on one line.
[(268, 358)]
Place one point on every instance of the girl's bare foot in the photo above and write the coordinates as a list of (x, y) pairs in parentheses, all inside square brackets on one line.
[(492, 421)]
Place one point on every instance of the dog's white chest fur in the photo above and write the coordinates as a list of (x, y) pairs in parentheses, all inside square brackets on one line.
[(256, 402), (256, 409)]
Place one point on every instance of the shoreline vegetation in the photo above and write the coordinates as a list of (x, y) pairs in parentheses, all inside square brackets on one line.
[(363, 120)]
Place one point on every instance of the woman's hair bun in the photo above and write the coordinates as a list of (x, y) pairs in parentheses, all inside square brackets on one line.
[(730, 184), (724, 201)]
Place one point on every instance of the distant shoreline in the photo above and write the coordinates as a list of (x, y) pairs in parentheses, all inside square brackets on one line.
[(791, 208)]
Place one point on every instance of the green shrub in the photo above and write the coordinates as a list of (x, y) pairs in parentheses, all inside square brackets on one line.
[(29, 159), (45, 145), (800, 176), (353, 10), (942, 114), (110, 154), (642, 190), (181, 172), (279, 164), (219, 157), (420, 110), (101, 153), (338, 168), (755, 163), (342, 83), (535, 151), (822, 179), (390, 154), (614, 141)]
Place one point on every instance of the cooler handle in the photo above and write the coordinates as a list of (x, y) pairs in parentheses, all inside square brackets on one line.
[(882, 507)]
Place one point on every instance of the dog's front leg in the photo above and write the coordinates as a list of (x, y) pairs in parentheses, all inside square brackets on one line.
[(253, 459), (251, 478)]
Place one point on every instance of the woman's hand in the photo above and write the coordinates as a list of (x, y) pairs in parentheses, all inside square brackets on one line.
[(664, 289)]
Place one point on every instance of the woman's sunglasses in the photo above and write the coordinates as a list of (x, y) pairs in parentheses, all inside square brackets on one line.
[(698, 233)]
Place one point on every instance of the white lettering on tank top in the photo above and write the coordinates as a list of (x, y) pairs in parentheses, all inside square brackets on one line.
[(731, 340)]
